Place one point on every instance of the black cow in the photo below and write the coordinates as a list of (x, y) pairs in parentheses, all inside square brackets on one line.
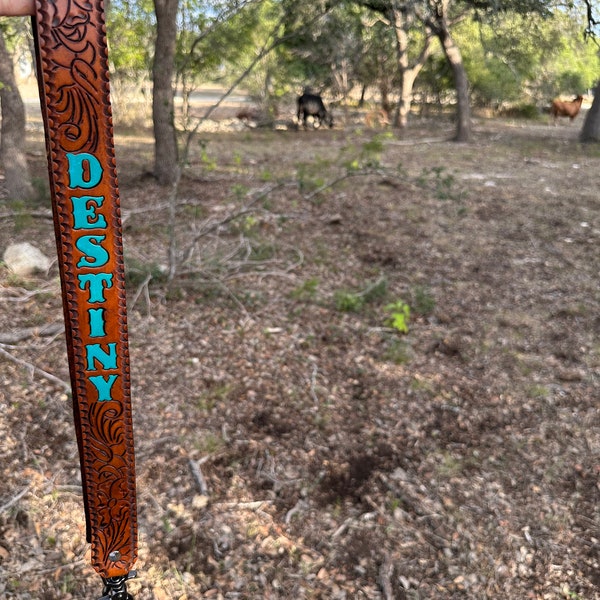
[(311, 105)]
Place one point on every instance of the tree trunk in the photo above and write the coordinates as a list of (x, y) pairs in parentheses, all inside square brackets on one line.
[(12, 140), (591, 125), (437, 21), (408, 73), (166, 155), (461, 84)]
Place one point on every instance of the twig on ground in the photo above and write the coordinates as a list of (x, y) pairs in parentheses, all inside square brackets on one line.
[(30, 566), (313, 384), (385, 578), (15, 499), (28, 294), (300, 505), (342, 528), (143, 287), (255, 505), (198, 476), (35, 370), (19, 335)]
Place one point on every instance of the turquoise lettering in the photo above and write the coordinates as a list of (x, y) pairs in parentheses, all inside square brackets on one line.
[(95, 352), (103, 386), (85, 170), (97, 322), (95, 254), (95, 282), (84, 212)]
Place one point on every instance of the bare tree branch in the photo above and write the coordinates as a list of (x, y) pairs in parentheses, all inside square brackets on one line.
[(35, 370), (15, 499), (16, 336)]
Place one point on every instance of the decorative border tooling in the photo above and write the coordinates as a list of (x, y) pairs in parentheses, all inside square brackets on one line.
[(73, 69)]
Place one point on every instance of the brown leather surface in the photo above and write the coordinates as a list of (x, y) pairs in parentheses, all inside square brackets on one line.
[(74, 92)]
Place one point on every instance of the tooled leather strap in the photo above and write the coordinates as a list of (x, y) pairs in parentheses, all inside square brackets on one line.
[(73, 75)]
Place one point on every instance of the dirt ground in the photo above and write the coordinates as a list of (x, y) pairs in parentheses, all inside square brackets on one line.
[(293, 440)]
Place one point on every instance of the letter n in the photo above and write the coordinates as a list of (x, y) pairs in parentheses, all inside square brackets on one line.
[(95, 352)]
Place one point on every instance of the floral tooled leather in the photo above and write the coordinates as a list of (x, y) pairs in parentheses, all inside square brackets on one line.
[(74, 91)]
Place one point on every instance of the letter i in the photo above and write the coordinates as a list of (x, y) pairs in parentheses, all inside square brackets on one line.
[(96, 322)]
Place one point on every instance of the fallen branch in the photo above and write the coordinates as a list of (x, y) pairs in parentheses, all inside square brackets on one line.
[(16, 214), (198, 476), (385, 579), (313, 384), (297, 508), (19, 335), (256, 505), (143, 287), (15, 499), (27, 294), (35, 370)]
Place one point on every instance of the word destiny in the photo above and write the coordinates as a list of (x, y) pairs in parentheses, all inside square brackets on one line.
[(90, 233)]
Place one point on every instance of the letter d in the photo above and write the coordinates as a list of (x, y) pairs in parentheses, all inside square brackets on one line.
[(85, 170)]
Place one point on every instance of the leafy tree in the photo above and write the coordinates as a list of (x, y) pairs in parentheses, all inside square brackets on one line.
[(377, 66), (216, 44), (409, 68), (529, 58), (436, 17), (327, 55), (131, 33), (403, 19), (439, 18), (12, 140)]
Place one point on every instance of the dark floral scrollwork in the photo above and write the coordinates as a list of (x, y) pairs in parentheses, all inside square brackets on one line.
[(78, 105), (72, 55)]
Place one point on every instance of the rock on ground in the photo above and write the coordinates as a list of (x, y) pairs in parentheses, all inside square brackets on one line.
[(25, 259)]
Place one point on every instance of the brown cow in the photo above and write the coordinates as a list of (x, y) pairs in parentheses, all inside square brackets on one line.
[(561, 108), (377, 118)]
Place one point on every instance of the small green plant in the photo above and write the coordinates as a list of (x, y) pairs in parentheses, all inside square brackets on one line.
[(209, 443), (347, 301), (262, 251), (443, 182), (399, 315), (568, 593), (306, 291), (210, 164), (423, 302), (370, 155), (266, 175), (537, 392), (239, 191), (42, 190), (376, 290), (22, 216), (397, 351), (310, 175), (249, 224), (136, 272), (14, 280)]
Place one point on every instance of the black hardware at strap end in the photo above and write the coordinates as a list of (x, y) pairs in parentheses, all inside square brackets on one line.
[(115, 588)]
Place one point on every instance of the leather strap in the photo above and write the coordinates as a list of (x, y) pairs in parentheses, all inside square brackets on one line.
[(74, 92)]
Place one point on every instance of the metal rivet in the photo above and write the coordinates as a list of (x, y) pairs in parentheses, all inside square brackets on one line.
[(115, 555)]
